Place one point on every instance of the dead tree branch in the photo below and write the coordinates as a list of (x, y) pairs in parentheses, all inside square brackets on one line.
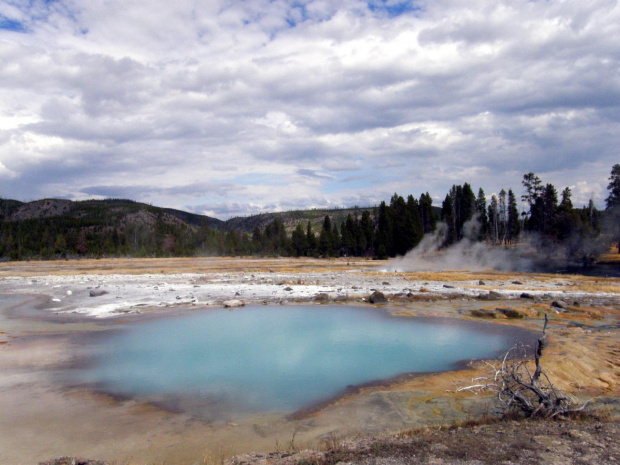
[(520, 391)]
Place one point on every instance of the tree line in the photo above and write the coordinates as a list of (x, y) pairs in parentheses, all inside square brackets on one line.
[(388, 230)]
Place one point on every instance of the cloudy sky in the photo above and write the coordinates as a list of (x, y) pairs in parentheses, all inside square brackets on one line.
[(235, 107)]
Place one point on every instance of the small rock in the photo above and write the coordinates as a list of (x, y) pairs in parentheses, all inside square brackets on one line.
[(97, 293), (233, 303), (385, 283), (447, 286), (73, 461), (525, 295), (288, 288), (481, 283), (341, 298), (482, 313), (439, 448), (559, 304), (517, 282), (509, 312), (321, 297), (377, 297), (492, 295)]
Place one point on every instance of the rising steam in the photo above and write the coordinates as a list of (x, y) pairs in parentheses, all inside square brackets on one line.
[(468, 254)]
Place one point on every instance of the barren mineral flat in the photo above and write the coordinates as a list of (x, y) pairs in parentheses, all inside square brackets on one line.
[(47, 308)]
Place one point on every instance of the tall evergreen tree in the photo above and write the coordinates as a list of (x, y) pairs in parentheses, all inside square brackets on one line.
[(447, 216), (503, 216), (426, 213), (383, 236), (311, 240), (613, 200), (325, 238), (418, 228), (403, 230), (493, 214), (566, 204), (299, 242), (366, 232), (613, 204), (550, 205), (533, 188), (481, 212), (336, 240), (514, 226), (466, 208)]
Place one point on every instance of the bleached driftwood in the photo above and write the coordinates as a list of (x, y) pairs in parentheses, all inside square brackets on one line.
[(520, 390)]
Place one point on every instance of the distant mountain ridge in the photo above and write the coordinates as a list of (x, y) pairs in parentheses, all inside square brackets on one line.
[(112, 209), (119, 211)]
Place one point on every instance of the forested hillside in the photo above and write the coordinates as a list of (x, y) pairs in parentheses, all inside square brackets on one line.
[(53, 228)]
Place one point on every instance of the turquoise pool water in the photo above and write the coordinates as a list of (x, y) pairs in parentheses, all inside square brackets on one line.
[(279, 358)]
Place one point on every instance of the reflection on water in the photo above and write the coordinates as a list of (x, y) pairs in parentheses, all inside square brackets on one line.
[(277, 358)]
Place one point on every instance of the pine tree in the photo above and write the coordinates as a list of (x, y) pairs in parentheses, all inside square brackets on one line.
[(447, 216), (311, 240), (613, 200), (336, 240), (514, 226), (418, 228), (383, 237), (426, 213), (325, 238), (367, 232), (402, 226), (503, 217), (299, 243), (533, 188), (613, 204), (566, 204), (493, 214), (349, 241), (481, 212), (550, 205)]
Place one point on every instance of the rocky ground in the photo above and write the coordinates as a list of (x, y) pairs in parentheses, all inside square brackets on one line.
[(582, 442), (509, 442)]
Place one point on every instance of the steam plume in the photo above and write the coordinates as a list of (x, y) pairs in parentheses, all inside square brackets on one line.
[(468, 254)]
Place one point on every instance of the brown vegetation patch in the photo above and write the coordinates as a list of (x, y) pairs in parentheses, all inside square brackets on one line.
[(491, 442), (177, 265)]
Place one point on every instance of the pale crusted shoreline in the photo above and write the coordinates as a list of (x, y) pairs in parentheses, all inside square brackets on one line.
[(109, 295)]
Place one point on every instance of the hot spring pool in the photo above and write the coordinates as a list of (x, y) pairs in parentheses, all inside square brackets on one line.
[(268, 358)]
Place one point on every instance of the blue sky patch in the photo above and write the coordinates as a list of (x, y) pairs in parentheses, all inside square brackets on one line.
[(11, 25), (392, 8)]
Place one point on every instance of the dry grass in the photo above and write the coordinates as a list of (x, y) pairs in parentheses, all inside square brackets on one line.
[(460, 276), (611, 257), (177, 265)]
